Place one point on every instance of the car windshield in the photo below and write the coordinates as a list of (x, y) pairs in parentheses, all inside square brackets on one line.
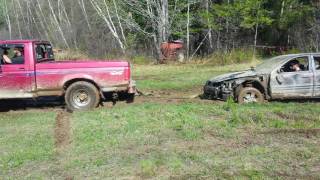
[(270, 64)]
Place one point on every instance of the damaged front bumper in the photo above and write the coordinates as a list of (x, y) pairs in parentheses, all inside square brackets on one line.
[(218, 90)]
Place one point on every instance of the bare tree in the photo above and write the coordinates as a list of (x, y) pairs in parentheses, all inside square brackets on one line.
[(106, 16), (8, 21), (57, 24), (84, 11), (18, 22), (188, 31), (207, 5), (156, 13)]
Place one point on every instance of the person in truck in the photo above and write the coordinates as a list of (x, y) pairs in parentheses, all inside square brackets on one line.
[(5, 58), (296, 66), (17, 57)]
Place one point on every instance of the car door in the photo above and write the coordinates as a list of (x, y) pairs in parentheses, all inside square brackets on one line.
[(15, 79), (287, 83), (316, 62)]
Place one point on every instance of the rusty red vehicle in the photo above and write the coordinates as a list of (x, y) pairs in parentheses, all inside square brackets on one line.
[(28, 70), (172, 50)]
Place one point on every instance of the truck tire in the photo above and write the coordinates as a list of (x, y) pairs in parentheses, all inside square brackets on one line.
[(130, 98), (250, 95), (82, 95)]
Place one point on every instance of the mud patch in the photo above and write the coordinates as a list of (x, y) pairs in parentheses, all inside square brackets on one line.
[(293, 116), (62, 131), (307, 132)]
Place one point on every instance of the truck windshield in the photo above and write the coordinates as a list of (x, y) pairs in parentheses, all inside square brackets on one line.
[(44, 52)]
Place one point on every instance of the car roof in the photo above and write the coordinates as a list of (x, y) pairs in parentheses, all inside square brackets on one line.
[(17, 41), (302, 54)]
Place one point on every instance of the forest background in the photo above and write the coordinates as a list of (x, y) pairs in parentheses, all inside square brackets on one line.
[(136, 28)]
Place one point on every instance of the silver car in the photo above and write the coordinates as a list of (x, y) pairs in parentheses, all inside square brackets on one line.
[(291, 76)]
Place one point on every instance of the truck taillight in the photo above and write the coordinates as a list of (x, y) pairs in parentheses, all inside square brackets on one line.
[(128, 71)]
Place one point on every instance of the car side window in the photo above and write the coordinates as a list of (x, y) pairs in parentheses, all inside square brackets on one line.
[(11, 54), (296, 65), (317, 62)]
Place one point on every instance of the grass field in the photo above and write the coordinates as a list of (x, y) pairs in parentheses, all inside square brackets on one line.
[(163, 136)]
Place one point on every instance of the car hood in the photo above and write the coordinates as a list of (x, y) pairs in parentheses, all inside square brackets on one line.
[(234, 75)]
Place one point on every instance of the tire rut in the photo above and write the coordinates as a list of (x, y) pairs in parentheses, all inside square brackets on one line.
[(62, 131)]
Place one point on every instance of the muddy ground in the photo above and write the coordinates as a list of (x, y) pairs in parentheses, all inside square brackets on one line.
[(57, 104), (156, 96)]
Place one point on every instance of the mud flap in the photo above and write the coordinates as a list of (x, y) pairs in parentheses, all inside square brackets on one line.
[(132, 87)]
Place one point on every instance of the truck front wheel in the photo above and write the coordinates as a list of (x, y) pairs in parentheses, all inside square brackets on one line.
[(82, 96), (250, 95)]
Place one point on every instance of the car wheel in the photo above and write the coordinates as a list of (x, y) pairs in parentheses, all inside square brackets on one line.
[(250, 95), (82, 96)]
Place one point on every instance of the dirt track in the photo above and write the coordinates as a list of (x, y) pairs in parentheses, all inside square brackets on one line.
[(62, 130), (55, 104)]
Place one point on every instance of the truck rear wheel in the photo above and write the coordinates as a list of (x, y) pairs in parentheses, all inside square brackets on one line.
[(82, 96), (250, 95)]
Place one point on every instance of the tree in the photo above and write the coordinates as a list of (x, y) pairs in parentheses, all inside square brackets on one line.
[(103, 10), (130, 27), (254, 15)]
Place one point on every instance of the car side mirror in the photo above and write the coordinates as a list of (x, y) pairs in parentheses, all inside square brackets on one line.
[(280, 70)]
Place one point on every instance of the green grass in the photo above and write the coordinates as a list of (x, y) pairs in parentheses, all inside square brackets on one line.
[(179, 77), (187, 139), (24, 138)]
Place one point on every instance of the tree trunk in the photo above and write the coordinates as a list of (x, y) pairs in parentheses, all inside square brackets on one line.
[(255, 40), (83, 8), (57, 23), (8, 19), (188, 31), (119, 22), (18, 22), (209, 25), (109, 22)]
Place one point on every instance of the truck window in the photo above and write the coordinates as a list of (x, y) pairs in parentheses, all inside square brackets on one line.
[(317, 62), (11, 54), (44, 52)]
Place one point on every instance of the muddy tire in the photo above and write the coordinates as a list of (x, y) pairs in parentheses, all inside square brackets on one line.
[(130, 98), (250, 95), (82, 96)]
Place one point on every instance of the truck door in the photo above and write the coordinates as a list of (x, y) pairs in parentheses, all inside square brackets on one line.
[(316, 60), (289, 82), (15, 79)]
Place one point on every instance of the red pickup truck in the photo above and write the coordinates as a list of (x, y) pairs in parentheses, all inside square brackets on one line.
[(28, 70)]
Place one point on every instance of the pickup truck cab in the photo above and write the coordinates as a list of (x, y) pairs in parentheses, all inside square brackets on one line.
[(293, 76), (33, 72)]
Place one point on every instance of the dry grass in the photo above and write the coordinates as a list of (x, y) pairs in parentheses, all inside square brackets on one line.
[(70, 55)]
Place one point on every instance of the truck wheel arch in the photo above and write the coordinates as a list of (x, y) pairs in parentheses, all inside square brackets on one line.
[(71, 81), (251, 83)]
